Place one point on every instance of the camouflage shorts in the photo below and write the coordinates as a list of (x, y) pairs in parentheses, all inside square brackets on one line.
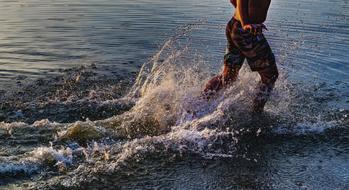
[(242, 44)]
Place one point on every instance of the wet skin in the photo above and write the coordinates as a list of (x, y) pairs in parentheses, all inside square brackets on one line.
[(251, 14), (251, 11)]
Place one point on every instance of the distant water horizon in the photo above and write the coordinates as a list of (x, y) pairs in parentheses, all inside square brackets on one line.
[(37, 38)]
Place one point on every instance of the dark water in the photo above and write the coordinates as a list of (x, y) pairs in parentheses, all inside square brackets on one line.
[(105, 95), (38, 38)]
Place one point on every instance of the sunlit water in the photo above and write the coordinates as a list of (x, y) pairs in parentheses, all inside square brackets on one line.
[(106, 95)]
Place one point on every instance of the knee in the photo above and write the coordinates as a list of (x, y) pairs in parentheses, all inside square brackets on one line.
[(229, 59), (233, 59), (269, 75)]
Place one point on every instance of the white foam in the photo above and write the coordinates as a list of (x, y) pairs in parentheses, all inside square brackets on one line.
[(14, 168), (168, 93), (306, 128), (42, 154)]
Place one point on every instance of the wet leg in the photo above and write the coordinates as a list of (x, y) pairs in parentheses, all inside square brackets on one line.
[(268, 77), (233, 60), (225, 79), (230, 73)]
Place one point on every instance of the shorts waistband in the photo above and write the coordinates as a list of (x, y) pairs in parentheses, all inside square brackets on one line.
[(234, 20)]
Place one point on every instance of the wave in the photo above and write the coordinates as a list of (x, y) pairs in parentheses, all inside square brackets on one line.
[(162, 113)]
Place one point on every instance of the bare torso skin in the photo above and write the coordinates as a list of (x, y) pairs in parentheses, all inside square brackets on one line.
[(255, 11)]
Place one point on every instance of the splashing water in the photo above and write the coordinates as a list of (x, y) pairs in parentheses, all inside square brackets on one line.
[(169, 116)]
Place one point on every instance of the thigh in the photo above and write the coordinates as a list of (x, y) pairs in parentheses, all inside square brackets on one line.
[(233, 56), (269, 75), (255, 48), (261, 56)]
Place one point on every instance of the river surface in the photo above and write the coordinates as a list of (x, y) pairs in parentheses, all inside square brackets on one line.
[(107, 95)]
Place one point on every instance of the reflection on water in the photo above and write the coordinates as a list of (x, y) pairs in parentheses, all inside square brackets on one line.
[(36, 37), (89, 128)]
